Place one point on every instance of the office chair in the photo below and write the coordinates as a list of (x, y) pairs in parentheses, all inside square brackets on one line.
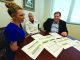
[(2, 45)]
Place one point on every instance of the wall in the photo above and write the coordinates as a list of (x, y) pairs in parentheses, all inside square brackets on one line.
[(4, 17), (47, 10), (74, 30), (47, 7)]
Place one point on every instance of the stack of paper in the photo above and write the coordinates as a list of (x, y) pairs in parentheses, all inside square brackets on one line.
[(34, 48), (54, 43), (48, 42)]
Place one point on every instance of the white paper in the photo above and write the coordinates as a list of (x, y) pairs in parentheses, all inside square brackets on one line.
[(46, 39), (33, 49), (76, 44), (54, 48), (52, 44), (37, 36), (65, 42), (77, 47), (55, 35)]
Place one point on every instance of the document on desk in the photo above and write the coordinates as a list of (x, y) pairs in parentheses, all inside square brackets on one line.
[(37, 36), (54, 48), (77, 47), (33, 49), (65, 42), (76, 44), (46, 39), (55, 35)]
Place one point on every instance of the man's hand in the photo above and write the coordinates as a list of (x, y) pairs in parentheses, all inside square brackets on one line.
[(64, 34)]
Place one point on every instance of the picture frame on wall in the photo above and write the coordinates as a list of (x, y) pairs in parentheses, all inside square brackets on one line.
[(29, 5)]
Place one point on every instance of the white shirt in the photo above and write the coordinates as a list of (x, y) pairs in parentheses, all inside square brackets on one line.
[(32, 27)]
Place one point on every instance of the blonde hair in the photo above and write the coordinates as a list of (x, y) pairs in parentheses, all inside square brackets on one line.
[(12, 8)]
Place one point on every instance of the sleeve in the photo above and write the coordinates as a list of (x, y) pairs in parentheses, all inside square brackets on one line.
[(63, 27), (10, 36), (38, 25)]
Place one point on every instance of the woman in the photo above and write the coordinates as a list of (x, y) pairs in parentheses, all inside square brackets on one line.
[(14, 33)]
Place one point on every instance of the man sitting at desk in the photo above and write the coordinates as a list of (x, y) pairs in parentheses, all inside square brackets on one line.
[(56, 25), (32, 24)]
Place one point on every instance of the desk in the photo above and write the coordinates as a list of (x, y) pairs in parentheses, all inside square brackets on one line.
[(68, 54)]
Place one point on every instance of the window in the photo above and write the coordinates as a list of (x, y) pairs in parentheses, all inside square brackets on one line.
[(75, 17), (69, 10)]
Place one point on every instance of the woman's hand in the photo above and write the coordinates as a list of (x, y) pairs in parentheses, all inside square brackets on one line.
[(14, 47)]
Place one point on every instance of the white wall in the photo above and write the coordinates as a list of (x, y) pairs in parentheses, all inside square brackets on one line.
[(4, 17), (74, 30), (39, 12), (47, 9)]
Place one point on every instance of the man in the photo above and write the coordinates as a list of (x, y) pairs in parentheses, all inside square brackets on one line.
[(32, 25), (56, 25)]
